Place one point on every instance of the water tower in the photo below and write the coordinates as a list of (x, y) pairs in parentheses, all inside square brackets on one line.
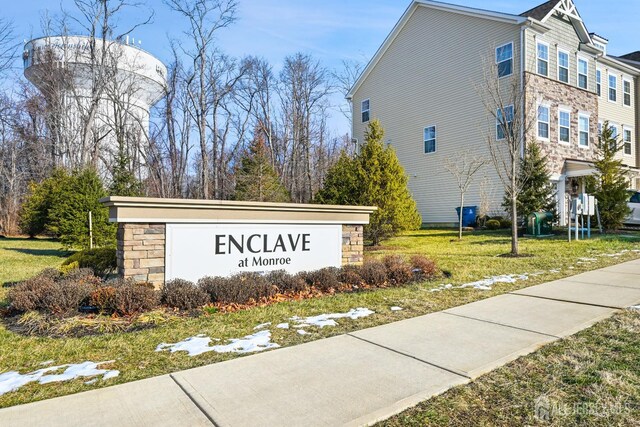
[(73, 71)]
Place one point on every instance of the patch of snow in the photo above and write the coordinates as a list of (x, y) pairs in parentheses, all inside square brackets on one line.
[(262, 326), (12, 381), (396, 308), (635, 307), (302, 332), (200, 344), (554, 270), (617, 254), (47, 363), (323, 320), (282, 326), (588, 259), (571, 268), (485, 284)]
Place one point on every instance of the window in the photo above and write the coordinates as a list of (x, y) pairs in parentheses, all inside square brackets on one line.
[(543, 122), (583, 73), (365, 111), (626, 139), (626, 89), (430, 139), (613, 88), (543, 59), (504, 60), (564, 129), (599, 82), (503, 121), (563, 66), (583, 128), (614, 131)]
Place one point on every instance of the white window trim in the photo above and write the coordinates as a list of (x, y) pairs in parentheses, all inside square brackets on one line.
[(626, 80), (566, 52), (435, 140), (578, 59), (512, 59), (362, 110), (568, 111), (588, 117), (609, 75), (601, 73), (498, 124), (630, 129), (539, 59), (540, 138)]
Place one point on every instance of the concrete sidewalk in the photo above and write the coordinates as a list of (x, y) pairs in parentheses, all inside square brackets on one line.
[(352, 379)]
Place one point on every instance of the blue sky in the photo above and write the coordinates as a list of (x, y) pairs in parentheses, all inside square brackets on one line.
[(330, 30)]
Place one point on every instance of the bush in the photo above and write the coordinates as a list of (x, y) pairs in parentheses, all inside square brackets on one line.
[(398, 271), (286, 282), (423, 267), (505, 223), (132, 297), (184, 295), (241, 288), (101, 260), (350, 275), (52, 292), (373, 273), (493, 224), (104, 299), (324, 279)]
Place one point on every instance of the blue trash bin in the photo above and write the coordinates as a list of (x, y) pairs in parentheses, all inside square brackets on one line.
[(469, 214)]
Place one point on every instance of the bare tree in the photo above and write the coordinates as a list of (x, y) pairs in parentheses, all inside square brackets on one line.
[(464, 166), (8, 46), (510, 121), (345, 79), (205, 18)]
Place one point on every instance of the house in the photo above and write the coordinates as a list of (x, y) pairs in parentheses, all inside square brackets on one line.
[(423, 85)]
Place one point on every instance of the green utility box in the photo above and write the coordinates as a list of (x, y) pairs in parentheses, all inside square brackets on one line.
[(539, 224)]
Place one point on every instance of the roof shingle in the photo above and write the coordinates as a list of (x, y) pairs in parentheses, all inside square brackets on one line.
[(541, 11)]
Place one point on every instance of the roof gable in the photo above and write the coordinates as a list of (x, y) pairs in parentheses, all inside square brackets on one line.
[(565, 7), (415, 4)]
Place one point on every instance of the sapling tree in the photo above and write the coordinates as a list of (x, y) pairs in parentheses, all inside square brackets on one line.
[(464, 166)]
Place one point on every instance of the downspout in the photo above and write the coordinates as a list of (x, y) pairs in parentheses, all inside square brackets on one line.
[(523, 52)]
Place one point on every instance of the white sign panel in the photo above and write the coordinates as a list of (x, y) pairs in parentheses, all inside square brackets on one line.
[(194, 251)]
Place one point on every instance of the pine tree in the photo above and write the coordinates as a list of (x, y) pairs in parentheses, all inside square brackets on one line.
[(538, 194), (610, 182), (256, 180), (374, 178), (123, 181)]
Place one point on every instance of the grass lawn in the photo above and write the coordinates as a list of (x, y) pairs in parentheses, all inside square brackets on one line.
[(588, 379), (476, 257)]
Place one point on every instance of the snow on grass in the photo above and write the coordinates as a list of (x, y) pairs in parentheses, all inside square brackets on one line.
[(485, 284), (635, 307), (396, 308), (282, 326), (323, 320), (12, 381), (200, 344), (262, 326), (302, 332)]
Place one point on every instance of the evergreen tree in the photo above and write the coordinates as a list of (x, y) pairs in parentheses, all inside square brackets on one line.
[(60, 205), (123, 181), (256, 180), (538, 194), (374, 178), (610, 182)]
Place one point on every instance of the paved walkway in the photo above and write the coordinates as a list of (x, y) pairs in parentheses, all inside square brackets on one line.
[(357, 378)]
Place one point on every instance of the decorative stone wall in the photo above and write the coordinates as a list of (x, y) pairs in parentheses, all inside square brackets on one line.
[(141, 252), (555, 94), (352, 244)]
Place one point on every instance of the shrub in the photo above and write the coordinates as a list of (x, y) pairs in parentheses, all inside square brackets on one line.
[(132, 297), (184, 295), (493, 224), (505, 223), (50, 291), (398, 271), (350, 275), (373, 273), (101, 260), (241, 288), (324, 279), (286, 282), (104, 299), (423, 267)]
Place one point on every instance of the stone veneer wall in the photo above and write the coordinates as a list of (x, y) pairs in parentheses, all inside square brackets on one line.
[(141, 251), (352, 244), (556, 94)]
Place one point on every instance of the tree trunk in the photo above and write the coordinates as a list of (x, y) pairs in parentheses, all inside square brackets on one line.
[(514, 226), (460, 219)]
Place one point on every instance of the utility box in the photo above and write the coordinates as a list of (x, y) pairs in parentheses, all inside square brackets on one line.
[(539, 224)]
